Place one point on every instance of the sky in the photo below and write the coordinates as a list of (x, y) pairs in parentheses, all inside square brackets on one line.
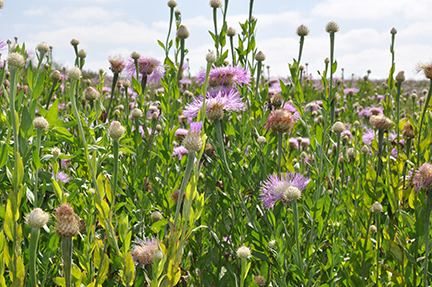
[(112, 27)]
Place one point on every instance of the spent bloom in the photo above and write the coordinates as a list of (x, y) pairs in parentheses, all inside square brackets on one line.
[(217, 104), (423, 177), (117, 64), (37, 218), (280, 121), (67, 221), (426, 68), (144, 250), (286, 188), (225, 76)]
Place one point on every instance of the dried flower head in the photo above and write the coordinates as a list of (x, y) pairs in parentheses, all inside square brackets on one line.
[(91, 94), (15, 60), (182, 32), (37, 218), (380, 122), (302, 30), (117, 64), (423, 178), (244, 252), (143, 252), (40, 123), (376, 207), (408, 131), (67, 224), (332, 27), (280, 121), (116, 130), (426, 68), (286, 188)]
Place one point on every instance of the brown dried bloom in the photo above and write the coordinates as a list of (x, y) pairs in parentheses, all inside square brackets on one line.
[(426, 68), (67, 221), (280, 121), (408, 131)]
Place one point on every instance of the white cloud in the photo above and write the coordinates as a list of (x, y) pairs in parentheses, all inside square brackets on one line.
[(34, 12)]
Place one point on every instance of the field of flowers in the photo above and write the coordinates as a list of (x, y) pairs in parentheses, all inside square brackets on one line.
[(146, 175)]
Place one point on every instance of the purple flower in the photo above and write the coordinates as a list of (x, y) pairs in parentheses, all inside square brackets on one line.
[(62, 177), (144, 250), (180, 152), (291, 108), (368, 136), (304, 142), (180, 133), (423, 177), (225, 76), (312, 106), (377, 111), (146, 65), (365, 113), (347, 133), (3, 44), (221, 102), (277, 188), (293, 143), (350, 91)]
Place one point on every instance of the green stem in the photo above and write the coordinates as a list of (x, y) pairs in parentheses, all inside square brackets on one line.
[(331, 95), (280, 152), (115, 175), (296, 234), (232, 51), (421, 121), (378, 219), (216, 32), (169, 33), (300, 53), (182, 54), (257, 95), (427, 221), (50, 94), (67, 246), (380, 149), (33, 255), (188, 172), (408, 151), (364, 248), (36, 183), (114, 83), (398, 86), (243, 271)]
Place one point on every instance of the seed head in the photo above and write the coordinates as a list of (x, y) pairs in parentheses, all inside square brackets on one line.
[(280, 121), (332, 27), (55, 76), (376, 207), (91, 94), (16, 60), (380, 122), (338, 127), (182, 32), (426, 68), (400, 77), (302, 30), (144, 251), (74, 42), (116, 130), (215, 3), (243, 252), (74, 73), (67, 221), (231, 32), (261, 140), (260, 57), (408, 131), (137, 113), (43, 48), (172, 3), (211, 57), (37, 218), (40, 123)]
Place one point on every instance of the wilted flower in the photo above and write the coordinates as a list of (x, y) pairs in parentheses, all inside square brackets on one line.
[(286, 188), (143, 251)]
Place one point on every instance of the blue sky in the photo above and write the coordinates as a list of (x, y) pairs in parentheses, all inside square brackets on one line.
[(108, 27)]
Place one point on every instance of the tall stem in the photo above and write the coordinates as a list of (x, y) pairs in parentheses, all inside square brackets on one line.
[(380, 149), (216, 31), (331, 95), (425, 107), (398, 86), (296, 234), (169, 33), (188, 172), (257, 95), (115, 175), (36, 183), (182, 54), (114, 83), (378, 220), (67, 245), (427, 227), (408, 151), (280, 152), (33, 254), (232, 51), (364, 248)]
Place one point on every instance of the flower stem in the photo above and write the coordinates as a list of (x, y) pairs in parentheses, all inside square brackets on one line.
[(36, 183), (280, 152), (398, 86), (182, 54), (331, 95), (67, 245), (427, 227), (408, 151), (216, 32), (169, 33), (378, 220), (33, 254), (257, 95), (114, 83), (380, 149), (296, 234), (50, 94), (232, 51), (115, 173), (364, 248), (243, 271), (188, 172), (425, 107)]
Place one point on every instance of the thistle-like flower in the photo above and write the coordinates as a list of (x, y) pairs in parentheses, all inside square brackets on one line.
[(193, 141), (144, 250), (302, 30), (146, 65), (280, 121), (91, 94), (117, 64), (16, 60), (332, 27), (182, 32), (75, 73), (225, 76), (67, 221), (116, 130), (286, 188), (426, 68), (40, 123), (244, 252), (423, 178)]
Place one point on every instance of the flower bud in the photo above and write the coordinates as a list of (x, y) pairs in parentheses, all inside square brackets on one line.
[(116, 130), (393, 31), (136, 113), (40, 123), (135, 55), (372, 229), (259, 280), (82, 54), (91, 94), (172, 3), (400, 77), (182, 32), (261, 140), (55, 76), (37, 218), (43, 48), (380, 122), (215, 3), (55, 152), (260, 57), (243, 252), (74, 73), (156, 216), (272, 244), (16, 60), (332, 27), (302, 30), (376, 207), (338, 127), (74, 42), (408, 131), (211, 57), (231, 32)]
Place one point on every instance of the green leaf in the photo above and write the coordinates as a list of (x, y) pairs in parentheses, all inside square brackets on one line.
[(158, 225), (129, 270), (334, 67), (37, 91), (161, 44), (52, 114)]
